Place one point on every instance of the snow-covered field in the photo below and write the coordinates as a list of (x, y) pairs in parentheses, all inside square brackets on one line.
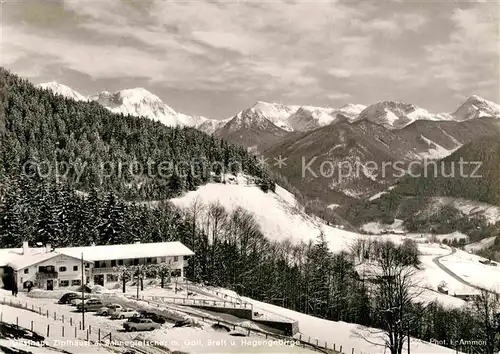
[(343, 334), (202, 338)]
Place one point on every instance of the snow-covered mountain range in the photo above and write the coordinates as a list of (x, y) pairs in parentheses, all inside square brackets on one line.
[(289, 118), (138, 102)]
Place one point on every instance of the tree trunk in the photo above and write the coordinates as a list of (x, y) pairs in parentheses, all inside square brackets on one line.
[(162, 281), (142, 284), (123, 285)]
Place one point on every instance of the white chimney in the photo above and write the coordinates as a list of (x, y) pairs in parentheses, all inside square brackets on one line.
[(48, 248), (26, 247)]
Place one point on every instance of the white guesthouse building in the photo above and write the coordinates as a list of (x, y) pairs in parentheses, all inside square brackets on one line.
[(60, 268)]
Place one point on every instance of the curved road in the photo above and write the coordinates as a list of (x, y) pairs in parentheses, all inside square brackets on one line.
[(454, 275)]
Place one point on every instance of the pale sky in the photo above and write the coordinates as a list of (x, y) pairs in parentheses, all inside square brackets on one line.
[(217, 58)]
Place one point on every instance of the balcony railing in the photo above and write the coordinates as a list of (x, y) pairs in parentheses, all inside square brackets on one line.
[(48, 275)]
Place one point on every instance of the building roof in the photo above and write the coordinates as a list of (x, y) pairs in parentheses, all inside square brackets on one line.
[(14, 257), (128, 251)]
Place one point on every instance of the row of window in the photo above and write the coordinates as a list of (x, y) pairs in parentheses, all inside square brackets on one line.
[(49, 269), (120, 262), (74, 282), (98, 264)]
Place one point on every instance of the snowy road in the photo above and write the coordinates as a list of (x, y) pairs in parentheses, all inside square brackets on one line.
[(451, 273)]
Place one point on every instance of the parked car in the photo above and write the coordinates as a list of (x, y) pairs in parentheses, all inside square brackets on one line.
[(109, 309), (124, 313), (68, 297), (153, 316), (77, 301), (140, 324), (90, 305)]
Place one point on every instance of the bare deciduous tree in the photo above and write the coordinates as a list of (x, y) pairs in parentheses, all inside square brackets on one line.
[(394, 291), (486, 308)]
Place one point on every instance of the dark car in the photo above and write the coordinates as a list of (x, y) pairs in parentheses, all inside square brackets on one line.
[(90, 305), (153, 316), (66, 298)]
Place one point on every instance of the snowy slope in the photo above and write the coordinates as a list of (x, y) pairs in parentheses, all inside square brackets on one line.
[(277, 218), (63, 90)]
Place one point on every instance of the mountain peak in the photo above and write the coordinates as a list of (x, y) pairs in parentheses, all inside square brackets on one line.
[(394, 114), (476, 107), (276, 113), (137, 94), (63, 90)]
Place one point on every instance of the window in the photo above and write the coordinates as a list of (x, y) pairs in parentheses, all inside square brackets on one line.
[(87, 265), (110, 278), (163, 259), (176, 259), (76, 282), (26, 271), (75, 268), (113, 263), (136, 261), (120, 262), (63, 283), (41, 269), (97, 264), (62, 269), (50, 269), (148, 260)]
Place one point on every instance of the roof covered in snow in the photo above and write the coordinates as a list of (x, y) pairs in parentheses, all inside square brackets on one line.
[(128, 251), (16, 259)]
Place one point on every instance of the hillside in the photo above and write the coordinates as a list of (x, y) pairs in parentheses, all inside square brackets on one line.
[(132, 156), (364, 147), (471, 172)]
